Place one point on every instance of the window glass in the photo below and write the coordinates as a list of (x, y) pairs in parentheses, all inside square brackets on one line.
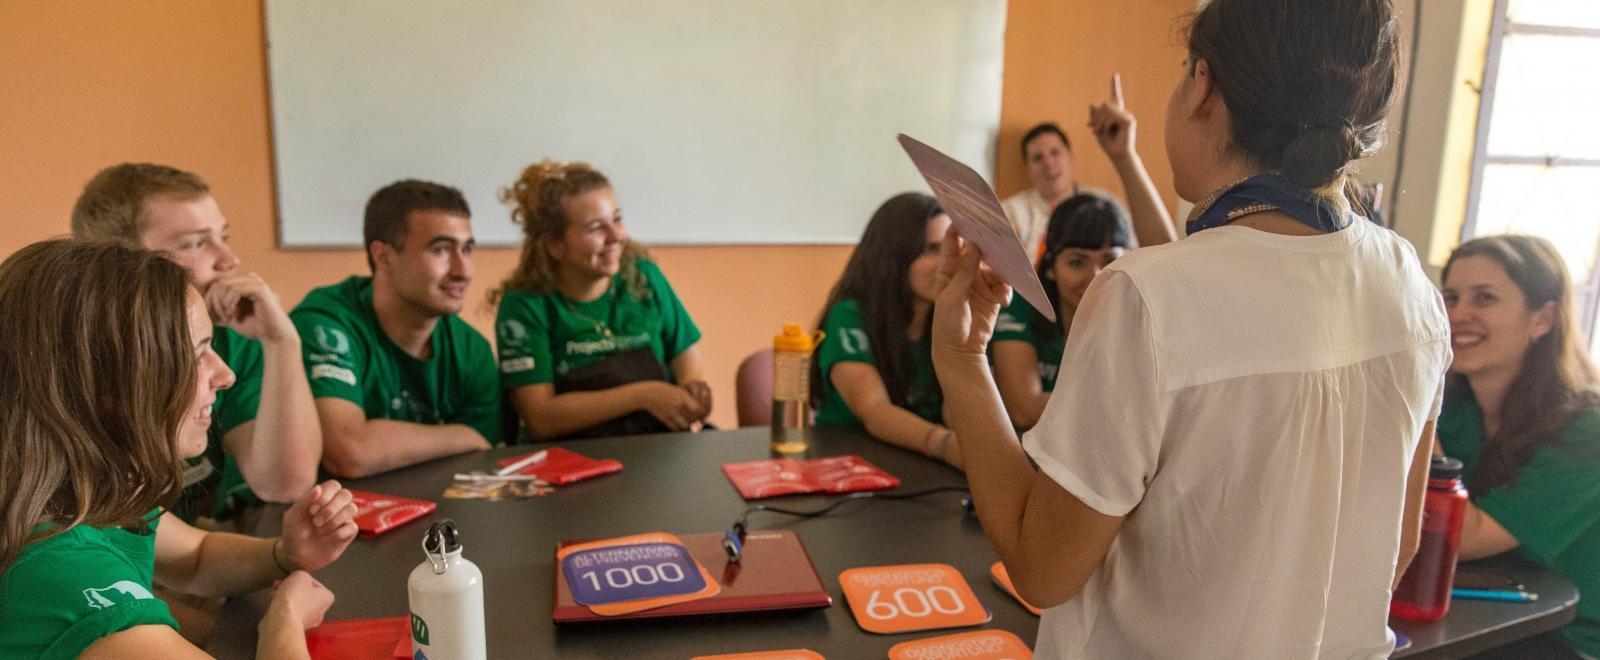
[(1542, 105), (1564, 13), (1559, 203)]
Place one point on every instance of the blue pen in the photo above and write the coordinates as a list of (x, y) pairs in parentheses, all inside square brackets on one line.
[(1494, 594)]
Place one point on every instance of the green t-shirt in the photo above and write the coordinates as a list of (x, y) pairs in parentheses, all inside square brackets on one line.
[(1019, 321), (65, 592), (215, 474), (348, 356), (545, 335), (846, 341), (1553, 507)]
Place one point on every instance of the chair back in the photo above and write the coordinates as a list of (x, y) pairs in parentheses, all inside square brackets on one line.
[(752, 386)]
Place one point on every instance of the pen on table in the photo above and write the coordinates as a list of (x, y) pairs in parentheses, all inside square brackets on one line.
[(498, 478), (1494, 594), (535, 457)]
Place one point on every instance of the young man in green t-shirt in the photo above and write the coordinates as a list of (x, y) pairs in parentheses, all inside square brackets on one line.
[(266, 442), (398, 377)]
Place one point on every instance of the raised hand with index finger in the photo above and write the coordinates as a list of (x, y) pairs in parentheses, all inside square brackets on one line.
[(1112, 124)]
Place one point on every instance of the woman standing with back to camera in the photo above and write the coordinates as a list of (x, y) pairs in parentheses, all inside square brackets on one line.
[(1231, 462)]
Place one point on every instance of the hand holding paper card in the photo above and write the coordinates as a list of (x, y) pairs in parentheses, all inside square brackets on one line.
[(975, 211)]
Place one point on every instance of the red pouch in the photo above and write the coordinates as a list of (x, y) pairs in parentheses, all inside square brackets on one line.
[(376, 514), (561, 467), (787, 476), (360, 639)]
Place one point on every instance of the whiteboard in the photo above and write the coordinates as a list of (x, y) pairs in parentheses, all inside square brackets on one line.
[(717, 121)]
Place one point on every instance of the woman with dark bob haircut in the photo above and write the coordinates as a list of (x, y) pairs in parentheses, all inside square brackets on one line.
[(1086, 233), (1232, 462), (107, 380), (1522, 412)]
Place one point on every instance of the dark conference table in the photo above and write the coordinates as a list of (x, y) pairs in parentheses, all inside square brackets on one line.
[(674, 483)]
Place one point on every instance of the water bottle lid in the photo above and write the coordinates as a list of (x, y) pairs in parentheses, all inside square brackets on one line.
[(442, 538), (1444, 467), (794, 338)]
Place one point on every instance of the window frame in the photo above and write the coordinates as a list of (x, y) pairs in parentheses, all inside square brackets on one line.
[(1585, 293)]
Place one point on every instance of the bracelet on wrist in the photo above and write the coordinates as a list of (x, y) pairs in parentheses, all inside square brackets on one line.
[(927, 439), (278, 562), (943, 444)]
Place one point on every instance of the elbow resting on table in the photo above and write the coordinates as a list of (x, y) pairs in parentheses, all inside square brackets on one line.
[(282, 490), (545, 427), (345, 454)]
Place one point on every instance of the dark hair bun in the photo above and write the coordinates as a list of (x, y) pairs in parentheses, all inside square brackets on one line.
[(1307, 83), (1319, 155)]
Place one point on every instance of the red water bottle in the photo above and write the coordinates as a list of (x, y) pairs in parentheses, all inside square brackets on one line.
[(1424, 591)]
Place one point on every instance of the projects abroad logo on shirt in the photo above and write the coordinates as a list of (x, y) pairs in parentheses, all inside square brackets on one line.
[(512, 332), (333, 340), (853, 340), (608, 344), (337, 346), (517, 365), (118, 593)]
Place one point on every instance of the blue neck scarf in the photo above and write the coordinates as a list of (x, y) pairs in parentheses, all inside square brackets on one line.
[(1265, 192)]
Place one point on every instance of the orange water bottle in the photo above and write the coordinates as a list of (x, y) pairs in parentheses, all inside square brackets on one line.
[(791, 389)]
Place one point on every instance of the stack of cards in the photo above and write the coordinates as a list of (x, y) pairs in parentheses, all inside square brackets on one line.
[(634, 573), (561, 466), (376, 514), (787, 476)]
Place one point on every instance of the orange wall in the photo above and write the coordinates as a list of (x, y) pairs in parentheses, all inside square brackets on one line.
[(87, 83), (1059, 58)]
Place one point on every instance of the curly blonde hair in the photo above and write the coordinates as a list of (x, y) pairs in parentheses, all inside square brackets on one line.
[(535, 200)]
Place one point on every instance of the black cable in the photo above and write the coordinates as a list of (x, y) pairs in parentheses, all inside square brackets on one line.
[(733, 540), (755, 508)]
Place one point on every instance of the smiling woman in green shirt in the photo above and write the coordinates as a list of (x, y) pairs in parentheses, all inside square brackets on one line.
[(1522, 413), (107, 382), (592, 339)]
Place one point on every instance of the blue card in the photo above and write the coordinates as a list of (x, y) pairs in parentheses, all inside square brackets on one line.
[(1401, 642), (641, 571)]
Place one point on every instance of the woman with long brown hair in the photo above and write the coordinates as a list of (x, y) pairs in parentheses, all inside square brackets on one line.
[(592, 339), (107, 378), (1522, 412), (873, 370)]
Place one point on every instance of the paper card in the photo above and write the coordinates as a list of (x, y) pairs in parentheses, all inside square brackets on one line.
[(634, 573), (980, 645), (911, 597), (360, 639), (975, 211), (494, 490), (1401, 642), (563, 466), (790, 654), (376, 514), (786, 476), (1002, 579)]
